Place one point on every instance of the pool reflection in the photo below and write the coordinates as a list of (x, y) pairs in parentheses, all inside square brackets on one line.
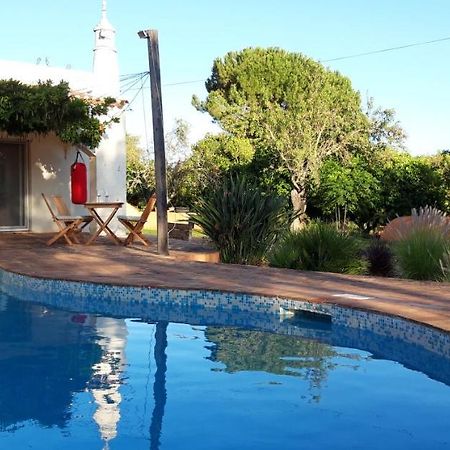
[(85, 375), (45, 357), (49, 356)]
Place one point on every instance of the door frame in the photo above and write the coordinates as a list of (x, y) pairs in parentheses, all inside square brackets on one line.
[(25, 144)]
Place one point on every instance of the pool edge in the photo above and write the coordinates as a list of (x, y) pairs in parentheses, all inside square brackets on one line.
[(271, 304)]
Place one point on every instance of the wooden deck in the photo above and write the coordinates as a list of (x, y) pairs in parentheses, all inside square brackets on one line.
[(104, 262)]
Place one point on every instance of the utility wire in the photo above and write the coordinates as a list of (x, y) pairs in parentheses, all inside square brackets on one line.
[(130, 85), (144, 115), (136, 95), (131, 75), (184, 82), (384, 50), (131, 78), (130, 103), (170, 84)]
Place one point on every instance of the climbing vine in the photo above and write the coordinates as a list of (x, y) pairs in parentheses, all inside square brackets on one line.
[(45, 108)]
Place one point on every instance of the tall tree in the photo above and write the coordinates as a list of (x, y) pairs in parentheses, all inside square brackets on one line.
[(288, 106), (141, 168), (140, 173), (408, 182), (441, 164), (348, 191), (385, 130)]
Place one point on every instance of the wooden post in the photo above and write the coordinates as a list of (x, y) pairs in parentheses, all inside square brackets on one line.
[(159, 386), (158, 139), (93, 179)]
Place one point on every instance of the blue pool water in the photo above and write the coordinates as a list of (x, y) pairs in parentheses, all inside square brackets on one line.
[(77, 380)]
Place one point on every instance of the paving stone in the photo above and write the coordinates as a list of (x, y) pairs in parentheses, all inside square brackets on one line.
[(104, 262)]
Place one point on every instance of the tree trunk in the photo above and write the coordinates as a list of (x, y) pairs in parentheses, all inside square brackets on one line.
[(298, 199)]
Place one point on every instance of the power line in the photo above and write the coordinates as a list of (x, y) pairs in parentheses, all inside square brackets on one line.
[(129, 80), (136, 80), (144, 115), (184, 82), (125, 84), (130, 103), (384, 50), (170, 84), (132, 75), (144, 78), (131, 84)]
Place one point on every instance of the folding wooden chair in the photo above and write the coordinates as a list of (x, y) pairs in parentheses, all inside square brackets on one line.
[(135, 224), (68, 225), (63, 210)]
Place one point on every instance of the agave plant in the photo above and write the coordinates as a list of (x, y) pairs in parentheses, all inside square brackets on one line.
[(241, 220)]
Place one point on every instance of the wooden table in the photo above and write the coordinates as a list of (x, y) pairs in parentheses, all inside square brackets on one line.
[(92, 207)]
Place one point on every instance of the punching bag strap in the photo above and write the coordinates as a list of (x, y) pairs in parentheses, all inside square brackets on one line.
[(79, 155)]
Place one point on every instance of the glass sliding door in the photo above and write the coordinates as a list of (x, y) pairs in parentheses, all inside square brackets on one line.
[(12, 186)]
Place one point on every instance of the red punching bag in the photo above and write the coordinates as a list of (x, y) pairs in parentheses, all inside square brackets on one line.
[(78, 182)]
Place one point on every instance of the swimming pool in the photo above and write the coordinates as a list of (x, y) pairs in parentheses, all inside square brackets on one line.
[(187, 376)]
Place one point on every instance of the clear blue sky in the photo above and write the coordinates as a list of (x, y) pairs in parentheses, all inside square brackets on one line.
[(414, 81)]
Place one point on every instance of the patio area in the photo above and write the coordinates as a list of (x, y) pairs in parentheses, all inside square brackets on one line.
[(191, 266)]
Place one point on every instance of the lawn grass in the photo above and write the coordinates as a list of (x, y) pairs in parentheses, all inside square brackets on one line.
[(150, 226), (196, 233)]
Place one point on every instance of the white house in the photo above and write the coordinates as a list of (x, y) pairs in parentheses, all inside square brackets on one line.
[(35, 165)]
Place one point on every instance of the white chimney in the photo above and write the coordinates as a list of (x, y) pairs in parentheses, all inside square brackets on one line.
[(106, 66)]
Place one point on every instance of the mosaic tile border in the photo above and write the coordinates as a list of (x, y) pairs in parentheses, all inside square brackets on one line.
[(214, 306)]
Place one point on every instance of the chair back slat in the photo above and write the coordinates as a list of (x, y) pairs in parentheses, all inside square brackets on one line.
[(60, 205), (148, 209), (135, 225), (68, 226), (55, 219)]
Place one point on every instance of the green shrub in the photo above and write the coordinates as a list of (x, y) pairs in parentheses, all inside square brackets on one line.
[(424, 255), (241, 221), (380, 259), (319, 246), (140, 183)]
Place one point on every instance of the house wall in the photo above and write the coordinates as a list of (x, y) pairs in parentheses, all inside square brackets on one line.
[(49, 162), (111, 166)]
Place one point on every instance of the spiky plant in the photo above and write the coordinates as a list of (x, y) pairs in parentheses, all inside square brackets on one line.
[(241, 220), (319, 246), (380, 259)]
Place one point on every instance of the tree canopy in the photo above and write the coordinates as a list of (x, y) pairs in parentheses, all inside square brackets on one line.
[(140, 173), (370, 191), (290, 107), (250, 350), (46, 108), (212, 157)]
